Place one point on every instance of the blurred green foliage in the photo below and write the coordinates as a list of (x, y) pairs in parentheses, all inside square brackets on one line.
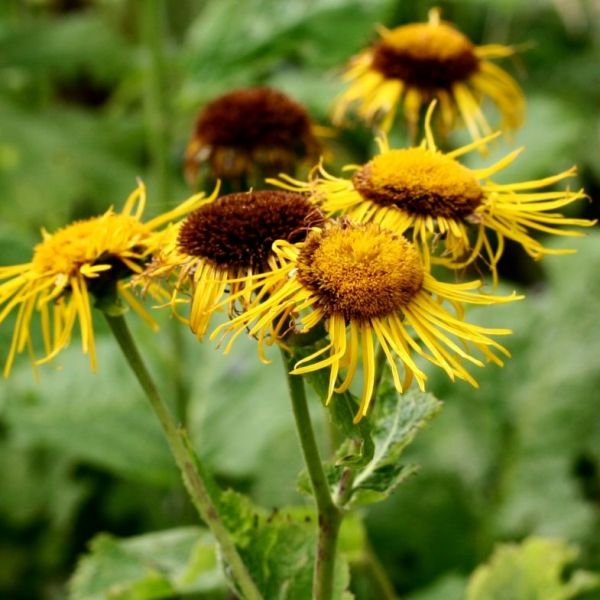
[(81, 454)]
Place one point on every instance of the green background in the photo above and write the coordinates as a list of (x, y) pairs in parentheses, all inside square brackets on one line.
[(81, 453)]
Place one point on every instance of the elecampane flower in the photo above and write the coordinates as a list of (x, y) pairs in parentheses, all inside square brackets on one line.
[(432, 194), (416, 63), (368, 286), (251, 133), (72, 264), (226, 241)]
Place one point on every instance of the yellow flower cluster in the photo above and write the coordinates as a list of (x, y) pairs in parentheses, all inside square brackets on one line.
[(349, 257)]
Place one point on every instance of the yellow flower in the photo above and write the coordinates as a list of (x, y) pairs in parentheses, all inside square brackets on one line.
[(250, 133), (368, 286), (416, 63), (224, 243), (431, 193), (74, 263)]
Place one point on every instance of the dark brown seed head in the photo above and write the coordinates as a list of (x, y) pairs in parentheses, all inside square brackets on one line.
[(237, 231), (252, 118), (253, 129)]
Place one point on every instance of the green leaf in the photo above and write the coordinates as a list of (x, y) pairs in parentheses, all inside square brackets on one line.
[(395, 421), (369, 455), (156, 565), (279, 548), (533, 569)]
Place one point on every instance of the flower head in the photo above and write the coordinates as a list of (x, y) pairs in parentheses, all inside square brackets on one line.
[(82, 259), (432, 194), (415, 63), (226, 241), (251, 132), (368, 286)]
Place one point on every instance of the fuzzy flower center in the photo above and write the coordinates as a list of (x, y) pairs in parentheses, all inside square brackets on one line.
[(237, 231), (421, 182), (360, 271), (425, 55), (99, 239), (254, 118)]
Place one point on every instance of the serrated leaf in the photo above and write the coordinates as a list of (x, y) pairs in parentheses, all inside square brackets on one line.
[(395, 421), (533, 569), (279, 548), (156, 565)]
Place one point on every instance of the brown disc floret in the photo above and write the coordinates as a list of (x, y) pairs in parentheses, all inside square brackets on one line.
[(237, 231)]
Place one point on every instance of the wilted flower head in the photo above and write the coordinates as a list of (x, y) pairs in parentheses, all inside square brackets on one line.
[(250, 133), (86, 258), (225, 242), (416, 63), (367, 285)]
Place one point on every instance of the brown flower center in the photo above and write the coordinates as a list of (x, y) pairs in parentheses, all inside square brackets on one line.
[(425, 55), (421, 182), (255, 118), (360, 270), (237, 231)]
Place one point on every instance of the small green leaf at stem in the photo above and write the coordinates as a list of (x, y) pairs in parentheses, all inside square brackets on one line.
[(395, 421), (367, 465)]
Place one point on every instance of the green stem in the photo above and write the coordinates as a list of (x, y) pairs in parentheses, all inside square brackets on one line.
[(158, 120), (329, 515), (191, 469)]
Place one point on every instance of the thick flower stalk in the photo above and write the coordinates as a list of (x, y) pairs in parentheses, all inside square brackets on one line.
[(416, 63)]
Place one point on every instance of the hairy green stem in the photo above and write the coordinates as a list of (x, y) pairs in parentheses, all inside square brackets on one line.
[(189, 465), (329, 515), (158, 120)]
